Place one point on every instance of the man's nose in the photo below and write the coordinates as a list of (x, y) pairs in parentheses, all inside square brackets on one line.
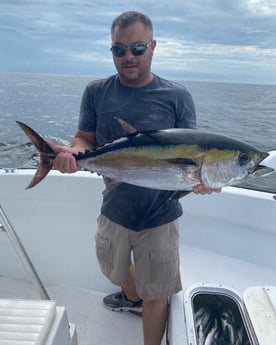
[(128, 53)]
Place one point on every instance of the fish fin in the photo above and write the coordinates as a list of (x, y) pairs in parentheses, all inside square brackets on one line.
[(111, 186), (179, 194), (46, 154), (36, 139), (182, 161), (127, 127), (45, 166), (132, 131)]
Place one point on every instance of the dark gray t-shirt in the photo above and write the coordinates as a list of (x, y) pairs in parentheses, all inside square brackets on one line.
[(161, 104)]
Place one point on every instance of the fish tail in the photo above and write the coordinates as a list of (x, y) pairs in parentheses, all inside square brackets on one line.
[(46, 154)]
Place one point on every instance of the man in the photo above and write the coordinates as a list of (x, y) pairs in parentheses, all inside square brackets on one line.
[(135, 222)]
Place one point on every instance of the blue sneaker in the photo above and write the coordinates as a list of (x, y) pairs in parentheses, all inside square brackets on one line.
[(119, 302)]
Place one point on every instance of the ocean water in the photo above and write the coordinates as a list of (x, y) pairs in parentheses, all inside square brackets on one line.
[(50, 104)]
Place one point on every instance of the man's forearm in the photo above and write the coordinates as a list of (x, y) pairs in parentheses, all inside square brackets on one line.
[(82, 145)]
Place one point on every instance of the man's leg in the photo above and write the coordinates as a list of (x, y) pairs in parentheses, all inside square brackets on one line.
[(130, 287), (116, 265), (126, 300), (156, 260), (155, 315)]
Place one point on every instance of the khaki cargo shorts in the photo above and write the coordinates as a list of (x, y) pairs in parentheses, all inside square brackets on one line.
[(154, 252)]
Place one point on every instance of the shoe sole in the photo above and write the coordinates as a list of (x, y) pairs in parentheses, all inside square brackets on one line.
[(137, 311)]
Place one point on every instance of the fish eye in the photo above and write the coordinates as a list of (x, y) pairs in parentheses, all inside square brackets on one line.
[(244, 158)]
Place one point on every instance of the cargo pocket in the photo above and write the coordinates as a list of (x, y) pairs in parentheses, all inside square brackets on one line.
[(104, 253), (164, 265)]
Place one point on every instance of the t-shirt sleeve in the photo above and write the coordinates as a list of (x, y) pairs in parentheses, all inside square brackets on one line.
[(87, 118), (185, 109)]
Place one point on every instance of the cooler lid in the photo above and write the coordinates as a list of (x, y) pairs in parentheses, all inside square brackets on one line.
[(260, 302)]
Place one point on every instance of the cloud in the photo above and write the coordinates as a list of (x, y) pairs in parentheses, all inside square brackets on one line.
[(215, 60), (262, 7), (201, 39)]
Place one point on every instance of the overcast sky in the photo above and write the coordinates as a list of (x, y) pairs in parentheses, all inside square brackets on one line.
[(214, 40)]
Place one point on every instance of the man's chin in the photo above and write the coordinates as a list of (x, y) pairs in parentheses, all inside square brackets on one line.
[(130, 77)]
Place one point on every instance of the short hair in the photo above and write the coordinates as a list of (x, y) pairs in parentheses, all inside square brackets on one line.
[(131, 17)]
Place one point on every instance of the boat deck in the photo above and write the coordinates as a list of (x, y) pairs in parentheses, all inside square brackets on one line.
[(97, 325)]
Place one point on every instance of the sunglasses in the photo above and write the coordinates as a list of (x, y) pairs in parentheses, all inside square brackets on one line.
[(137, 49)]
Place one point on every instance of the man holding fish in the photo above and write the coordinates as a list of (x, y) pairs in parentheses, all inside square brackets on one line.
[(137, 238)]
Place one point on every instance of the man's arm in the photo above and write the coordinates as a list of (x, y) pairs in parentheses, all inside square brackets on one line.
[(84, 141)]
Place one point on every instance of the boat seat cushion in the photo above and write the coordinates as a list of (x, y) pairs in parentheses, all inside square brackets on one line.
[(26, 321)]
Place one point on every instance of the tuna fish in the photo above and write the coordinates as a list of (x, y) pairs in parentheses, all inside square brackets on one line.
[(171, 159)]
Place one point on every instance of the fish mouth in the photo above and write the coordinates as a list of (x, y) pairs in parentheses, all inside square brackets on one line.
[(261, 170)]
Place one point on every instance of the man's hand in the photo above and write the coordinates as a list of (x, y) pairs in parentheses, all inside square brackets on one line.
[(65, 162), (201, 189)]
